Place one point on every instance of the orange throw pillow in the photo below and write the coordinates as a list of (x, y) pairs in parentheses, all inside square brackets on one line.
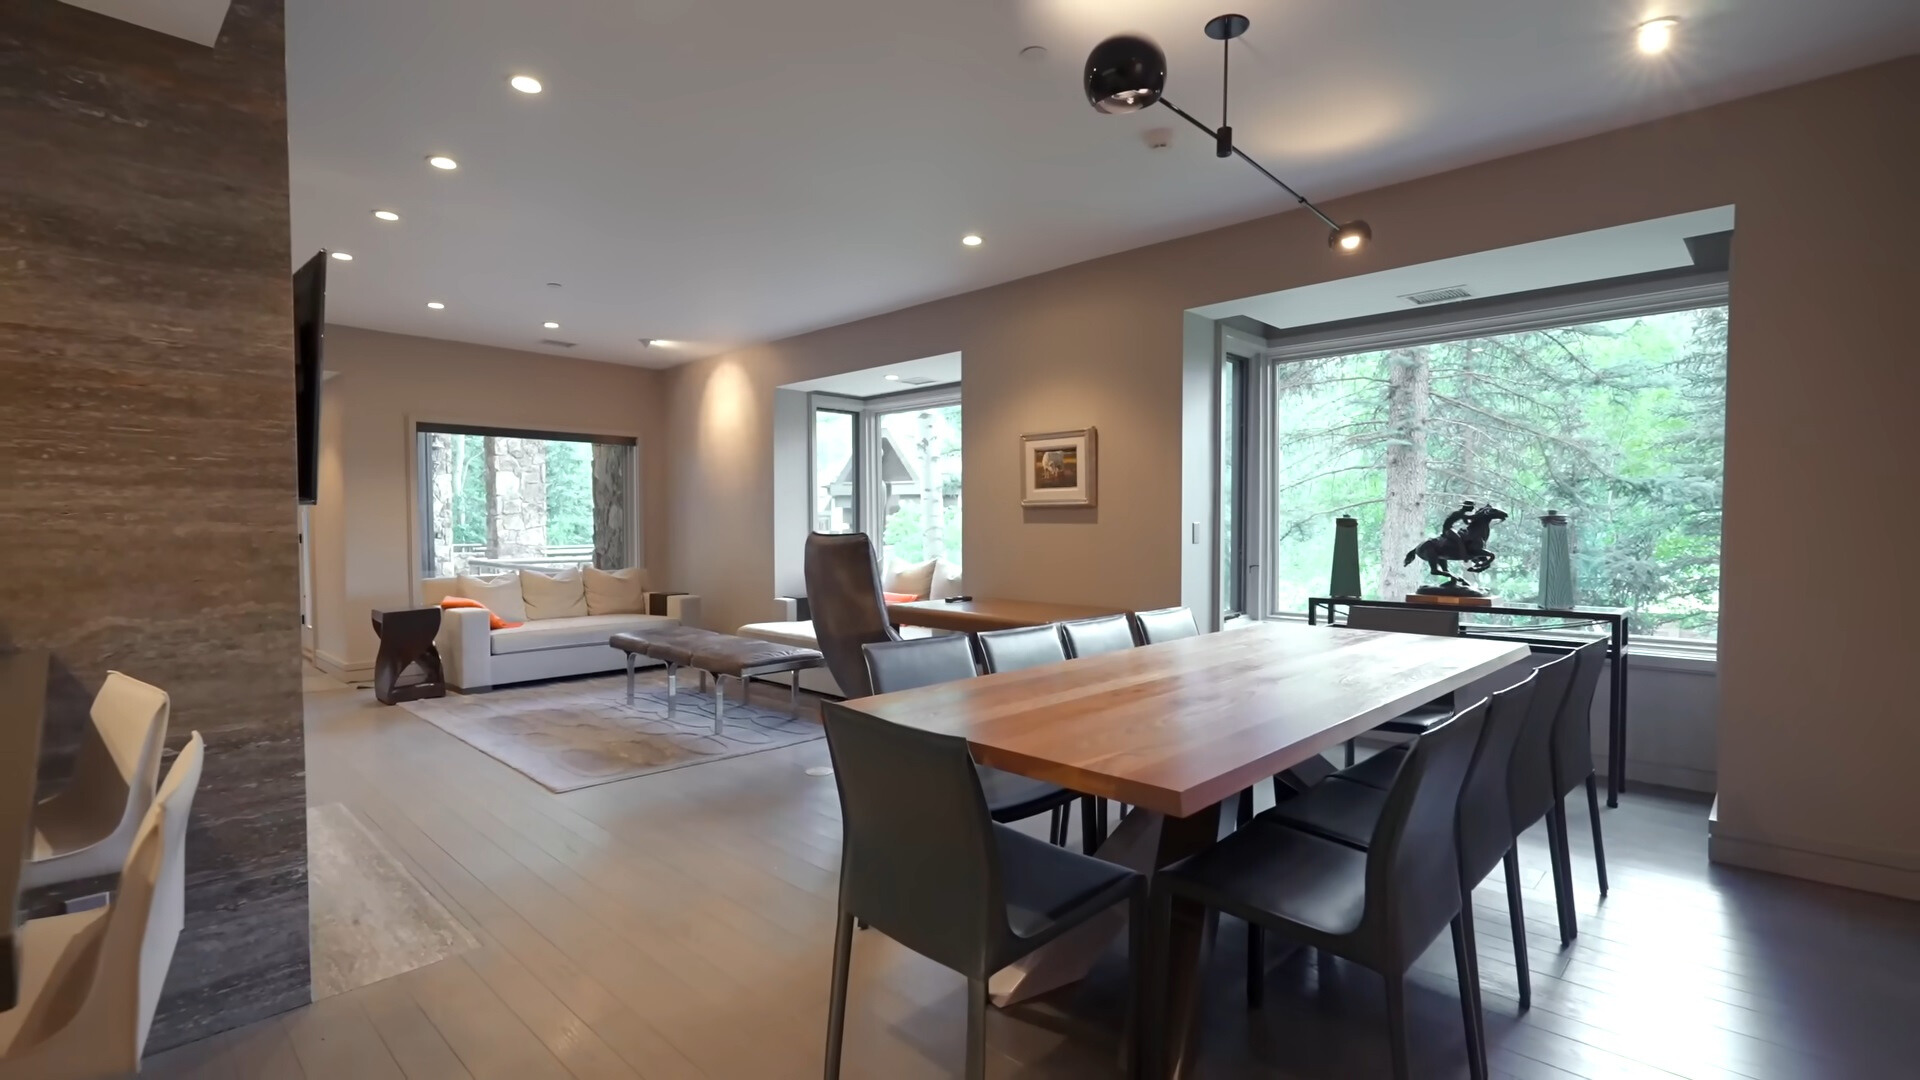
[(900, 597), (494, 622)]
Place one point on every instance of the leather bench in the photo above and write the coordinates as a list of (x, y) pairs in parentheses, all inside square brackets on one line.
[(719, 655)]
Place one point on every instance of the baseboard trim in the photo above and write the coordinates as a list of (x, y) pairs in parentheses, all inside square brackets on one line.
[(1851, 871), (341, 669), (1662, 774)]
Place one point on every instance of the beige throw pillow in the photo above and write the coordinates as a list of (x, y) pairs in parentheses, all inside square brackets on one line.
[(553, 596), (616, 592), (501, 594), (915, 578), (947, 581)]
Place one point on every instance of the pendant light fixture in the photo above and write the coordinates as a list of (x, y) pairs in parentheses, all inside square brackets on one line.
[(1128, 73)]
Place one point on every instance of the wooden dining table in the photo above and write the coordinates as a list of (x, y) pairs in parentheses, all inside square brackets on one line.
[(1176, 730), (23, 698), (973, 616)]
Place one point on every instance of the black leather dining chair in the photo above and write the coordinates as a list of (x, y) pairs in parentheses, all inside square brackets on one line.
[(1103, 634), (1166, 624), (1379, 907), (1436, 622), (923, 863), (843, 593), (916, 662), (1572, 766), (1021, 647)]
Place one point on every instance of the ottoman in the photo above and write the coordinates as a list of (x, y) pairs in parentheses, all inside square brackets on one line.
[(720, 655)]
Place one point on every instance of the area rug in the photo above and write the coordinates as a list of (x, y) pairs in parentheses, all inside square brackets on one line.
[(576, 733)]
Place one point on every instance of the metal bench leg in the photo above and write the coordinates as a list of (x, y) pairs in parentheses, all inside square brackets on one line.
[(673, 684), (629, 678), (793, 694), (719, 702)]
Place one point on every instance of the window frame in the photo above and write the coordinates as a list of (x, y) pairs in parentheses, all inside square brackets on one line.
[(869, 500), (841, 406), (1551, 309)]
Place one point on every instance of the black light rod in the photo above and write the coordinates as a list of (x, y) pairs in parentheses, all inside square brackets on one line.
[(1242, 155)]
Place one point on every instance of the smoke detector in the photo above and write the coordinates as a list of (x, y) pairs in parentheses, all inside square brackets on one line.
[(1159, 138)]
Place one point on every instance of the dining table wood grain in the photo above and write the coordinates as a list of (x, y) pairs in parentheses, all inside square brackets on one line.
[(1178, 726), (975, 616)]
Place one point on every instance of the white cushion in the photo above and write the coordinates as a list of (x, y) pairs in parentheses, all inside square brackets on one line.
[(915, 579), (560, 595), (616, 592), (570, 633), (501, 594), (947, 581), (799, 634), (433, 589)]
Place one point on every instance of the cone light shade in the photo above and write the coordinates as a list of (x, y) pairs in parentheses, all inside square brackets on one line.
[(1346, 557)]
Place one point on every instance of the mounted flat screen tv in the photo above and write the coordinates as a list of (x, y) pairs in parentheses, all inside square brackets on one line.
[(309, 330)]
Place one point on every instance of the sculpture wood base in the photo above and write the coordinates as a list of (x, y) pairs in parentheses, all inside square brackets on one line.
[(1448, 600)]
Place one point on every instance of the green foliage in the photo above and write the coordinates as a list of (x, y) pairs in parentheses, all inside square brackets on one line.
[(569, 493), (1619, 425)]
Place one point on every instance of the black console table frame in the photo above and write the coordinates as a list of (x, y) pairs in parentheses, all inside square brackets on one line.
[(1619, 636)]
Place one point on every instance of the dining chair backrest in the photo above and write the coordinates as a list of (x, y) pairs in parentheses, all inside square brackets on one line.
[(1413, 872), (1103, 634), (96, 1006), (1530, 791), (1022, 647), (114, 777), (919, 861), (1439, 622), (1485, 820), (916, 662), (1166, 624), (1572, 730), (843, 592)]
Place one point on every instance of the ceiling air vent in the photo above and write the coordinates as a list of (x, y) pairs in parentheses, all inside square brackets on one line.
[(1438, 296), (917, 380), (557, 343)]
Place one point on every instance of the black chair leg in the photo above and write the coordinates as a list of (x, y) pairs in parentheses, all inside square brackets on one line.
[(1562, 871), (1089, 826), (1466, 963), (1057, 827), (1599, 848), (1243, 811), (1256, 965), (1397, 1025), (976, 1029), (1349, 753), (1153, 1027), (837, 1006), (1139, 1004), (1519, 918)]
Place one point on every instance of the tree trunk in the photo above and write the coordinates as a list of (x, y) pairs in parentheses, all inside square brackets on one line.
[(440, 488), (932, 519), (612, 520), (1409, 387)]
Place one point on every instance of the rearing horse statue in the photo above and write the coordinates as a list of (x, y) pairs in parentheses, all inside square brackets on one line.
[(1468, 545)]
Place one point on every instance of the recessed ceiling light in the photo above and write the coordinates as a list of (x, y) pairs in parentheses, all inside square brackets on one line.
[(343, 256), (386, 215), (551, 325), (441, 161), (1655, 35), (657, 343), (971, 240), (526, 84), (435, 305), (891, 378)]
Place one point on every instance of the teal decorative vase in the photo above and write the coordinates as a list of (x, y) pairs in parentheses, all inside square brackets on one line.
[(1346, 557), (1556, 562)]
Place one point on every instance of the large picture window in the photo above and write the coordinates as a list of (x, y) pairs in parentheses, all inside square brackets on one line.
[(1618, 424), (493, 500), (890, 467)]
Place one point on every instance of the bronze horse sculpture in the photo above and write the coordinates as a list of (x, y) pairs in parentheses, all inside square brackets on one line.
[(1468, 545)]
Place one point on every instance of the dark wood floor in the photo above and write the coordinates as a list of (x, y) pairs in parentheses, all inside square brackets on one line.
[(679, 925)]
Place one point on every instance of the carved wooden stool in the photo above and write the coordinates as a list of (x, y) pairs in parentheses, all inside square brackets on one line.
[(406, 638)]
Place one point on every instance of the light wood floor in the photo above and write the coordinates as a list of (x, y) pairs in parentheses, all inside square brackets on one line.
[(679, 925)]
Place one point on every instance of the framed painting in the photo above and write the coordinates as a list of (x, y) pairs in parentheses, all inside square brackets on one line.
[(1056, 468)]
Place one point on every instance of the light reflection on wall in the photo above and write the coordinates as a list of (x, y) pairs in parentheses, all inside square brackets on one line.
[(733, 432)]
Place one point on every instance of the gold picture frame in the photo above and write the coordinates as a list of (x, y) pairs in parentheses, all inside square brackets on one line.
[(1057, 468)]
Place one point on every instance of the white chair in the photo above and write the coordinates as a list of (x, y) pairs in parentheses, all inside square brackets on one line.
[(91, 979), (87, 829)]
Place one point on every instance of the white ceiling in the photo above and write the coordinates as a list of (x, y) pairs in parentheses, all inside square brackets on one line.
[(887, 378), (1643, 247), (719, 172), (196, 20)]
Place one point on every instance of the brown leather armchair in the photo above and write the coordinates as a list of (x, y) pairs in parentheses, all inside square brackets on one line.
[(843, 589)]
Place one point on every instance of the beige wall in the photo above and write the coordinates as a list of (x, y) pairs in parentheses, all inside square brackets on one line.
[(379, 385), (1818, 725)]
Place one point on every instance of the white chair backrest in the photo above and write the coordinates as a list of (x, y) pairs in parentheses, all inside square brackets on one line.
[(167, 910)]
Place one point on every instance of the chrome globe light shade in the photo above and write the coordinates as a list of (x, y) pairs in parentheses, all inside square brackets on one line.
[(1125, 74)]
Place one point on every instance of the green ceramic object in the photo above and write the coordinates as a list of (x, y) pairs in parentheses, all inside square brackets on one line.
[(1346, 557)]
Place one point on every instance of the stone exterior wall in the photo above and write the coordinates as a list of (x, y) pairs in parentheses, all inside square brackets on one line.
[(517, 492)]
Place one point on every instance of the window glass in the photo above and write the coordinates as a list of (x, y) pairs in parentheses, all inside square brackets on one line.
[(493, 503), (835, 493), (919, 484)]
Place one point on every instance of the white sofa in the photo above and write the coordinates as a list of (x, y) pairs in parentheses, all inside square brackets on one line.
[(478, 658), (937, 580)]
